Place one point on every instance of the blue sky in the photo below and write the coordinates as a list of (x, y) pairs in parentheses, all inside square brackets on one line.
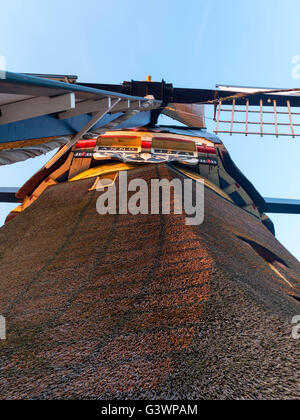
[(192, 43)]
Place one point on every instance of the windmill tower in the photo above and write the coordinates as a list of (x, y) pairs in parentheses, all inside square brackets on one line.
[(142, 305)]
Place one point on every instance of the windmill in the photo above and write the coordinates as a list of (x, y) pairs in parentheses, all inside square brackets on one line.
[(142, 306), (42, 112)]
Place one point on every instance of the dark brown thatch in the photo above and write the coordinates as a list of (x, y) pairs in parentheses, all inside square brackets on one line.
[(144, 306)]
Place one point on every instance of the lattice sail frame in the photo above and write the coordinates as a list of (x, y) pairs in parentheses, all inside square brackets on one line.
[(276, 112)]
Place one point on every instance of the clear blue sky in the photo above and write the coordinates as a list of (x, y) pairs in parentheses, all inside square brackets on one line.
[(192, 43)]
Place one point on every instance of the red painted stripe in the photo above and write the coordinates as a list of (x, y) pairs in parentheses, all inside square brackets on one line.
[(210, 150), (146, 144), (85, 144)]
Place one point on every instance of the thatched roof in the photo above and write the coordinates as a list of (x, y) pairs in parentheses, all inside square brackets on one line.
[(144, 306)]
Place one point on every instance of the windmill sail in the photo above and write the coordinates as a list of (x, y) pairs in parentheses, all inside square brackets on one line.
[(39, 114), (191, 115), (258, 111)]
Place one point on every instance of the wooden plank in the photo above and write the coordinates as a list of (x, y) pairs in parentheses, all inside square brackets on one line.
[(261, 117), (275, 117), (247, 117), (232, 116), (88, 107), (79, 165), (36, 107), (84, 107), (290, 117), (218, 119)]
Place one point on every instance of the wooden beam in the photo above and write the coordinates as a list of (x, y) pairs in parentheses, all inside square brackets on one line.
[(275, 117), (8, 195), (91, 107), (247, 117), (232, 116), (84, 107), (218, 119), (261, 118), (290, 117), (36, 107)]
